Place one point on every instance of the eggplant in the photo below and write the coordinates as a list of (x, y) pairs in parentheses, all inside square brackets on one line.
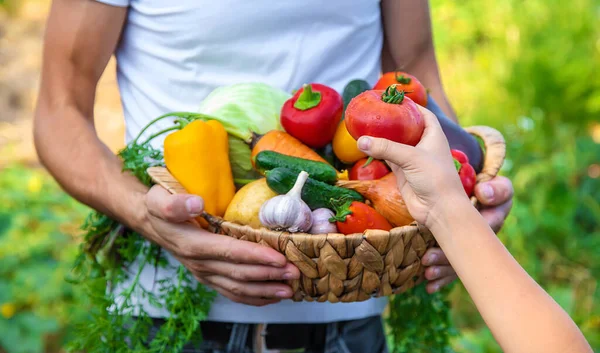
[(457, 137)]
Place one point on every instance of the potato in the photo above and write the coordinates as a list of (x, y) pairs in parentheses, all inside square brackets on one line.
[(245, 205)]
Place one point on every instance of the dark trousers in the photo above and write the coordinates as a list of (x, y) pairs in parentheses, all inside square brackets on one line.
[(355, 336)]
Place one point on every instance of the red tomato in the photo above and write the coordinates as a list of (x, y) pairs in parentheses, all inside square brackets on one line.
[(361, 218), (375, 170), (467, 174), (397, 119), (407, 82)]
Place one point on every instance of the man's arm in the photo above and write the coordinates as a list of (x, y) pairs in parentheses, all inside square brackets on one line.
[(75, 56), (408, 46), (80, 39)]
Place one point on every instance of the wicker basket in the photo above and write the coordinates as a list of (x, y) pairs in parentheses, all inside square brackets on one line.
[(354, 267)]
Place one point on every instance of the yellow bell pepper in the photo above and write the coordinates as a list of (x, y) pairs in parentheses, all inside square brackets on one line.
[(344, 145), (198, 157)]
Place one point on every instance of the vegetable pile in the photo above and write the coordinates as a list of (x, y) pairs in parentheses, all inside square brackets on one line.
[(260, 157), (311, 166)]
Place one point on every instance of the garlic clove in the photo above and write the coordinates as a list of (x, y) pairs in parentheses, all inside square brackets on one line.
[(288, 212)]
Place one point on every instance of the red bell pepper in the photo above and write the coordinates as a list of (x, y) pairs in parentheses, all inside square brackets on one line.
[(312, 114), (361, 171), (465, 171), (356, 217)]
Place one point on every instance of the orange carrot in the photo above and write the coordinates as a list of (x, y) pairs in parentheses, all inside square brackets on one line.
[(284, 143), (385, 197)]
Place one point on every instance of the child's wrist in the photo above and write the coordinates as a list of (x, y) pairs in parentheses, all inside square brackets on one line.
[(448, 211)]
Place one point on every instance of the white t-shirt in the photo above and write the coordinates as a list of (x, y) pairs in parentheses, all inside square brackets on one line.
[(174, 53)]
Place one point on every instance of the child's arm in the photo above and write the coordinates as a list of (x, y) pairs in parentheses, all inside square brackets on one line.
[(520, 314)]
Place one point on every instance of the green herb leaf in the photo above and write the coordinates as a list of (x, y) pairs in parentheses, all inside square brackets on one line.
[(419, 322)]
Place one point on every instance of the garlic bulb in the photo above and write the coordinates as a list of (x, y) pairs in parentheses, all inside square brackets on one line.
[(321, 223), (287, 212)]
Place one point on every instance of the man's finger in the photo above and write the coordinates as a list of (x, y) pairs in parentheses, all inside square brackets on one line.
[(495, 216), (436, 285), (208, 246), (243, 300), (246, 300), (495, 192), (262, 290), (435, 257), (173, 207), (437, 272), (248, 273)]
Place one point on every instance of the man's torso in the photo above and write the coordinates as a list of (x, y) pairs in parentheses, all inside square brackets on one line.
[(174, 53)]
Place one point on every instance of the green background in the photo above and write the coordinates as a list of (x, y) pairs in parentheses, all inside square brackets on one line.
[(528, 68)]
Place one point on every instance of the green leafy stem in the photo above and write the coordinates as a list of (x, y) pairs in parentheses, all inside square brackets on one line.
[(106, 255)]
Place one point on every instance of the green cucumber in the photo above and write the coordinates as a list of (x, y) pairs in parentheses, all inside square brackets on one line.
[(315, 193), (267, 160)]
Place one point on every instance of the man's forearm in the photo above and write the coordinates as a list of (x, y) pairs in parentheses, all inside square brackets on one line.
[(80, 38), (69, 148), (426, 69), (408, 46)]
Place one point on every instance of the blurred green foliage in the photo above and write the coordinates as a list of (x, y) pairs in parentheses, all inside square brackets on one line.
[(529, 69), (37, 220)]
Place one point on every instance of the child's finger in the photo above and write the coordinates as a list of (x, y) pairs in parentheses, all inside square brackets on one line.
[(432, 124), (379, 148), (400, 178), (433, 137)]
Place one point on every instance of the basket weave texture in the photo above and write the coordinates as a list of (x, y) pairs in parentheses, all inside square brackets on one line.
[(354, 267)]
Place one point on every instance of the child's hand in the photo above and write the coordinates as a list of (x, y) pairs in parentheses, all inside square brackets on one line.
[(426, 174)]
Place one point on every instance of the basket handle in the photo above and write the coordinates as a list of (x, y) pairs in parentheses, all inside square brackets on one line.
[(495, 151)]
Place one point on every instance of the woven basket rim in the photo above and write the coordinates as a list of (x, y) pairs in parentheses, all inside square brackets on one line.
[(218, 223)]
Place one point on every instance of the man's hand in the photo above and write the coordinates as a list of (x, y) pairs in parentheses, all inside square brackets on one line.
[(242, 271), (496, 198)]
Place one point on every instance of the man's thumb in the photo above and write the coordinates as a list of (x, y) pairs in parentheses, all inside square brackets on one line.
[(173, 208)]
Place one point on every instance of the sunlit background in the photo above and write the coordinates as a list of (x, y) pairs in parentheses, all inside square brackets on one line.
[(528, 68)]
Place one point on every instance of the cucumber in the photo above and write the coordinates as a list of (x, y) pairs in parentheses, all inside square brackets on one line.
[(267, 160), (353, 89), (315, 193)]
